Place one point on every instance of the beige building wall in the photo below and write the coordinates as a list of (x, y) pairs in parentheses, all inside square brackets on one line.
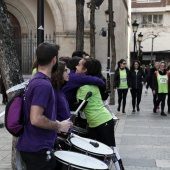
[(60, 16)]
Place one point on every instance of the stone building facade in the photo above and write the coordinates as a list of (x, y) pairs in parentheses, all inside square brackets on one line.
[(60, 19), (153, 17)]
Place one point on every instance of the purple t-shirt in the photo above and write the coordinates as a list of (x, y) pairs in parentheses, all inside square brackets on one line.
[(39, 92), (62, 106)]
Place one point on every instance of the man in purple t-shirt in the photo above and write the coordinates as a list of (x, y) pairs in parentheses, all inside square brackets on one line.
[(37, 140)]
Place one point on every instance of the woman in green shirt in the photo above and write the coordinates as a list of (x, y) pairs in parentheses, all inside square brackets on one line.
[(160, 87), (101, 123)]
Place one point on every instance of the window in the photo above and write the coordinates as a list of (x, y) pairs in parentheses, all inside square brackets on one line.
[(152, 19), (147, 1)]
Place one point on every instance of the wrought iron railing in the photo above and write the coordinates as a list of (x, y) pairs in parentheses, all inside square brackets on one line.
[(26, 48)]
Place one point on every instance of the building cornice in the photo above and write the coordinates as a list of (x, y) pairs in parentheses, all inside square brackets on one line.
[(155, 9)]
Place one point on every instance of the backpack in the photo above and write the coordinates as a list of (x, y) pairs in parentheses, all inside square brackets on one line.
[(14, 114)]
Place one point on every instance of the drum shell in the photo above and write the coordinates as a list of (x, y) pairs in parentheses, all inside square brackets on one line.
[(80, 131)]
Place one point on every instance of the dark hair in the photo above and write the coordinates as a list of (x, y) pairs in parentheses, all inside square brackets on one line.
[(120, 62), (73, 63), (34, 64), (93, 67), (46, 52), (66, 59), (135, 61), (57, 77), (78, 54)]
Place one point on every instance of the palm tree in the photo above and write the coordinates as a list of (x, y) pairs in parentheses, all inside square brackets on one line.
[(80, 25), (9, 62)]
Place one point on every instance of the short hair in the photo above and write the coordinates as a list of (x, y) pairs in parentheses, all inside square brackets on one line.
[(93, 67), (46, 52), (73, 63), (78, 54), (66, 59)]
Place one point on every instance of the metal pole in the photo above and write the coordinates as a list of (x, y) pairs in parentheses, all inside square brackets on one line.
[(134, 44), (40, 21), (152, 50), (108, 59)]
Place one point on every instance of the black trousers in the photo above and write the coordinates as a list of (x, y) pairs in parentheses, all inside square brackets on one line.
[(155, 99), (168, 102), (122, 94), (161, 99), (38, 160), (136, 96), (104, 133)]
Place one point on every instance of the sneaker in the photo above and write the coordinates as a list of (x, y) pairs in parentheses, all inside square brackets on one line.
[(163, 114), (154, 110), (133, 111), (123, 112), (138, 109)]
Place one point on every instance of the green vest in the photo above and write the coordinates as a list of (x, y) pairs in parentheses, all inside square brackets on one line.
[(162, 83), (123, 79)]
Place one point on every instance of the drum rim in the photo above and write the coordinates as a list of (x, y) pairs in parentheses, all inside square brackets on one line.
[(77, 166), (92, 153)]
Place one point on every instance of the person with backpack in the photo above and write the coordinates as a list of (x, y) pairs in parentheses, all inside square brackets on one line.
[(160, 87), (122, 83), (168, 101), (36, 142), (137, 77)]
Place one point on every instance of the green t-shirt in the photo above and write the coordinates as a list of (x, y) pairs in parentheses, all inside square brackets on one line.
[(123, 79), (162, 83), (95, 111)]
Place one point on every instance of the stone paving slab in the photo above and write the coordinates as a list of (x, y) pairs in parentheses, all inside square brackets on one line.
[(163, 163)]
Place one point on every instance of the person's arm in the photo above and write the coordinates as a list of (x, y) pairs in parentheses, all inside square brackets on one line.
[(154, 83), (39, 120), (86, 80)]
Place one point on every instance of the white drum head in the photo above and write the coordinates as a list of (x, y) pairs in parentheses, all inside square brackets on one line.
[(102, 149), (80, 160)]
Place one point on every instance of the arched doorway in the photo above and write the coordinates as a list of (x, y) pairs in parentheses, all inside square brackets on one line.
[(16, 28)]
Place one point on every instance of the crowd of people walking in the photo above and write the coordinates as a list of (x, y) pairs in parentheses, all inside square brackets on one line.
[(156, 77)]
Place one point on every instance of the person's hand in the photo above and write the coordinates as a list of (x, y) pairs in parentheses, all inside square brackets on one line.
[(65, 125), (154, 92)]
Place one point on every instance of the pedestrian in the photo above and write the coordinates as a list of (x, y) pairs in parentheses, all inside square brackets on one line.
[(101, 123), (59, 79), (149, 82), (168, 101), (160, 87), (3, 91), (137, 77), (37, 140), (122, 83)]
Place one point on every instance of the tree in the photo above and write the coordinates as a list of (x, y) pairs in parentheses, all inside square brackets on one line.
[(9, 62), (80, 25), (92, 29)]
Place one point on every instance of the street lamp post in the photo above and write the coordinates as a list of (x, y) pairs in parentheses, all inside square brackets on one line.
[(40, 21), (135, 29), (140, 36), (108, 48)]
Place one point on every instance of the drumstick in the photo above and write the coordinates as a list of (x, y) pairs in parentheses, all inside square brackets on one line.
[(89, 94), (95, 144)]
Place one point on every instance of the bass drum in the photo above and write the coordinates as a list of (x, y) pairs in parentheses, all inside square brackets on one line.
[(75, 161)]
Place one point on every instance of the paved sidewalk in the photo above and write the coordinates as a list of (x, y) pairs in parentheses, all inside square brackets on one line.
[(143, 139)]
